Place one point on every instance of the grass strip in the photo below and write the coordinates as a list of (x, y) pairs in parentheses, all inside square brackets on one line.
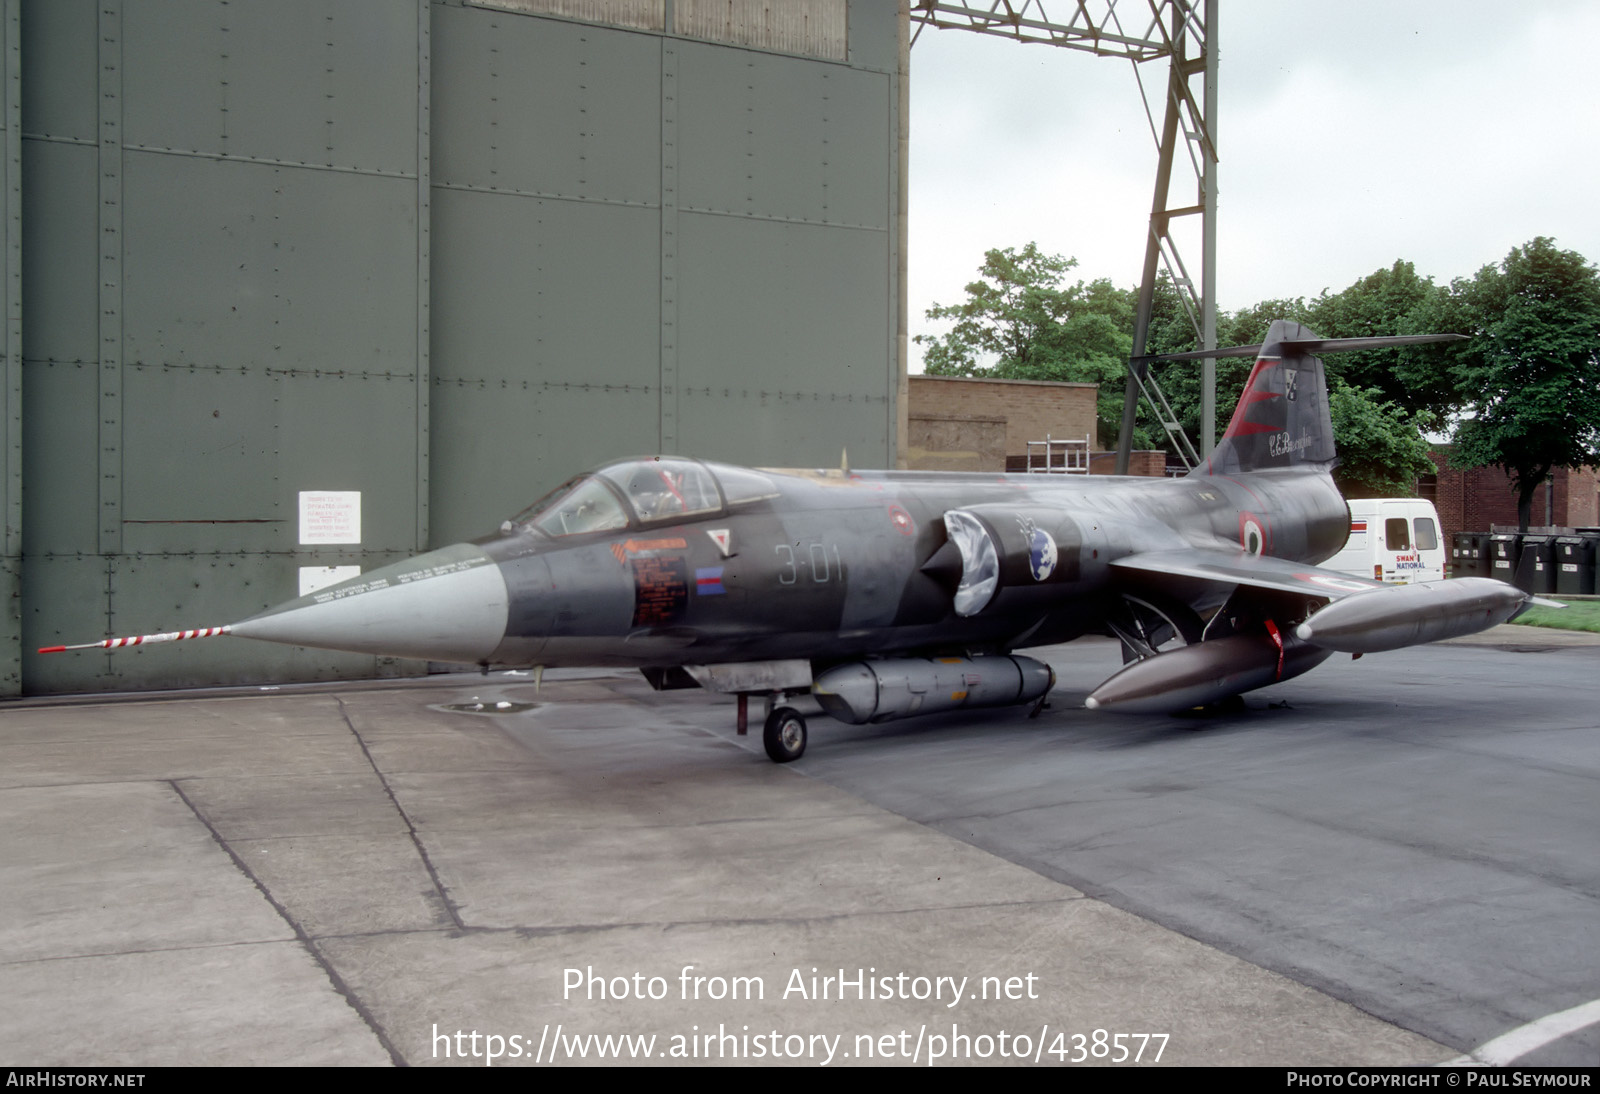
[(1578, 615)]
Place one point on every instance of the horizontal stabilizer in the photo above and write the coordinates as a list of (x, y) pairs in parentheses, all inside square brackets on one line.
[(1309, 345)]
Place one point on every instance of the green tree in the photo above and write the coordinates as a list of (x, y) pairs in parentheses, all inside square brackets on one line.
[(1017, 297), (1248, 326), (1385, 302), (1528, 378), (1381, 445), (1021, 321), (1171, 329)]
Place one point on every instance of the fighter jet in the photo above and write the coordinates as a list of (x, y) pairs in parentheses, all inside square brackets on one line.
[(886, 594)]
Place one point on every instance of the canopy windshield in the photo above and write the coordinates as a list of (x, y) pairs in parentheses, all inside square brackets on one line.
[(660, 488), (583, 504), (644, 491)]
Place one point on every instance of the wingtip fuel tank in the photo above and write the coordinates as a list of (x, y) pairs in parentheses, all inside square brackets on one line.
[(1204, 673), (1395, 616)]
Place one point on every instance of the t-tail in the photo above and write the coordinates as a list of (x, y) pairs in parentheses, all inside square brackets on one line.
[(1282, 419)]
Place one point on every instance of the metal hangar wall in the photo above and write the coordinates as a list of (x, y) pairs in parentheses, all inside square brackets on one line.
[(295, 286)]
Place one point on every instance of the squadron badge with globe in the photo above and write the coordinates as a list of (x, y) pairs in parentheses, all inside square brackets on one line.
[(1041, 549)]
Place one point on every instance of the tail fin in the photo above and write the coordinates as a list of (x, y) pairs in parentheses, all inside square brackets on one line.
[(1282, 419)]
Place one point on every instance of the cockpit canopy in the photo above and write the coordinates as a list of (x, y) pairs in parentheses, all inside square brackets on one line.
[(647, 491)]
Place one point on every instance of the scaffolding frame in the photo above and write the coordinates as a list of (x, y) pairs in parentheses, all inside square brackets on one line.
[(1074, 453)]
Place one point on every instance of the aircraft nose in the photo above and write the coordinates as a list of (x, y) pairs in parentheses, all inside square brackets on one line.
[(446, 605)]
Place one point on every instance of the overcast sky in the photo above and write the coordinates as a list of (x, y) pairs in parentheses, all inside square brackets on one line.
[(1351, 134)]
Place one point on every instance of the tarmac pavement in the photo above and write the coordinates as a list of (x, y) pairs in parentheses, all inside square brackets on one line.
[(357, 874)]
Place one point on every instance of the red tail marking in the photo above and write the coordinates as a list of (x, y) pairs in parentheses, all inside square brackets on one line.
[(1237, 425)]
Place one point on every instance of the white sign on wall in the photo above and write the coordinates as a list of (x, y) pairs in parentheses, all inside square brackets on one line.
[(330, 516)]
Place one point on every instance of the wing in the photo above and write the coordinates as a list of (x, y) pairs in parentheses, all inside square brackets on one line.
[(1383, 617), (1279, 619), (1238, 568)]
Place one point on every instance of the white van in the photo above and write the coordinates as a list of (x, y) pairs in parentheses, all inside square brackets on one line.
[(1392, 539)]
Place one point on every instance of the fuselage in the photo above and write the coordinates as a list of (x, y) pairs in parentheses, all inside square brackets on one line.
[(832, 565)]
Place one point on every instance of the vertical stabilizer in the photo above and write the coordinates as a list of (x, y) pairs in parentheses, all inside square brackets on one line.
[(1282, 419)]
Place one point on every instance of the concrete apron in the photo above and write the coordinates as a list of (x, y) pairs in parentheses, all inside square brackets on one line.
[(358, 875)]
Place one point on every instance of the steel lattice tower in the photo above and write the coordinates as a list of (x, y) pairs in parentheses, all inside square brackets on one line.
[(1183, 32)]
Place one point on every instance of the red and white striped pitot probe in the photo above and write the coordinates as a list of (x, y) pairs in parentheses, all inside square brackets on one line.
[(140, 640)]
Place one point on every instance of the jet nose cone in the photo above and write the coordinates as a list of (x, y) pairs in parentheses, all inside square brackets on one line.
[(446, 605)]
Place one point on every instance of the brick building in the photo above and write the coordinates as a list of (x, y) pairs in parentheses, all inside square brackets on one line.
[(957, 423), (1474, 499)]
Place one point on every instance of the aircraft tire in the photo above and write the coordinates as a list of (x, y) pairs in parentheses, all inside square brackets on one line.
[(784, 735)]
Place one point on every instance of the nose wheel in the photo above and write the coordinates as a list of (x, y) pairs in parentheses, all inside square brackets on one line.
[(784, 735)]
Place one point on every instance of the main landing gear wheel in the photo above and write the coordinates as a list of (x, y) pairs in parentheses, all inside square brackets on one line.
[(784, 735)]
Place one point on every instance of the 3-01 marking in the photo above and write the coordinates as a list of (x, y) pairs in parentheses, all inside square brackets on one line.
[(814, 557)]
